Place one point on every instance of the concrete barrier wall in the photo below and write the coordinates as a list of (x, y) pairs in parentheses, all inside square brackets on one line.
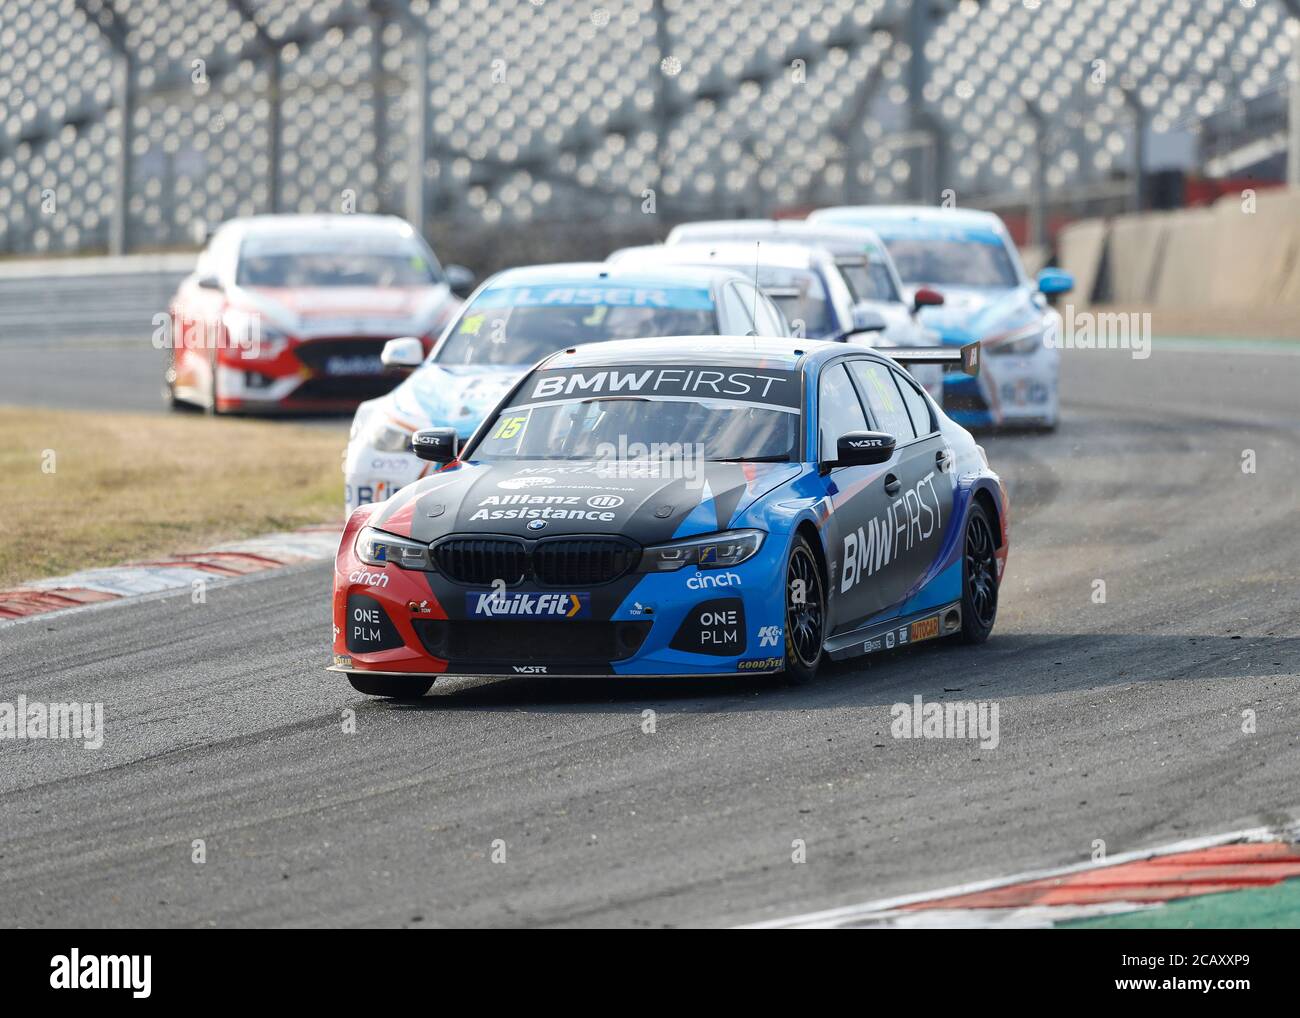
[(1136, 248), (1080, 247), (1187, 267), (1232, 254)]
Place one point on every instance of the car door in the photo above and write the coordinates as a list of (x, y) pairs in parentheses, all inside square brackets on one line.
[(918, 480), (857, 497)]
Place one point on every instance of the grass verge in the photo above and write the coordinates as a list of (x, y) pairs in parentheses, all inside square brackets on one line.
[(84, 489)]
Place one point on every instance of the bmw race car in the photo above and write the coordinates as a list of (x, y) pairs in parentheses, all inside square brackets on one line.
[(988, 299), (803, 281), (865, 264), (512, 321), (290, 312), (700, 507)]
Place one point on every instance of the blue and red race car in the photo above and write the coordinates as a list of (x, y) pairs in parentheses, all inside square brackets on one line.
[(698, 507)]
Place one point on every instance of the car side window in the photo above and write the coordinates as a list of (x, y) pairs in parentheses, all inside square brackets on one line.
[(838, 410), (739, 321), (767, 320), (918, 408), (887, 407)]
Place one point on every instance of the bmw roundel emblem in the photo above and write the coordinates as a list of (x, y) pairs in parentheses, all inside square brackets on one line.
[(536, 524)]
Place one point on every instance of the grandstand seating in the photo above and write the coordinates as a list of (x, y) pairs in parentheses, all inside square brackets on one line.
[(547, 108)]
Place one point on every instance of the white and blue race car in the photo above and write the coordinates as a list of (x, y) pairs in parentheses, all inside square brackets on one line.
[(513, 320), (969, 256)]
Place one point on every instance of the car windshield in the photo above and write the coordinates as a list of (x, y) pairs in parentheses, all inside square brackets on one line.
[(334, 259), (641, 412), (522, 324), (922, 260), (868, 280)]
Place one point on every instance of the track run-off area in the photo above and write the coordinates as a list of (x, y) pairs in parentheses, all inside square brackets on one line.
[(1168, 710)]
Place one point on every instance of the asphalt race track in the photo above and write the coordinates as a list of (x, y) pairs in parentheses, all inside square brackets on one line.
[(1119, 721)]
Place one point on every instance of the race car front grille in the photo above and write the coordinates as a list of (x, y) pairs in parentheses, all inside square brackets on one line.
[(341, 357), (551, 562), (583, 562), (482, 561), (341, 388), (342, 370), (528, 641)]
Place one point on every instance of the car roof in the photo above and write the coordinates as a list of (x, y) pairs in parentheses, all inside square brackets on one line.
[(742, 351), (877, 215), (776, 254), (623, 273), (838, 238), (289, 224)]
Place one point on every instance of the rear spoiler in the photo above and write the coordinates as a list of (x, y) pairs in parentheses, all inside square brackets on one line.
[(967, 357)]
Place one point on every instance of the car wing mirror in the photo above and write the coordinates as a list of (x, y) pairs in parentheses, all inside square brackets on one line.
[(460, 280), (866, 320), (437, 445), (403, 354), (926, 298), (859, 448)]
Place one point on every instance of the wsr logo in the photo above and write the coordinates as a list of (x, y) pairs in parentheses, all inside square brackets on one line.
[(706, 581)]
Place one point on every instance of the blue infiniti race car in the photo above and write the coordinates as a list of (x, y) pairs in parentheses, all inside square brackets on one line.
[(510, 322), (700, 506), (988, 298)]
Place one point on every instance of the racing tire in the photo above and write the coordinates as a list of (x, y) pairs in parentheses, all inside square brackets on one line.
[(395, 687), (805, 615), (979, 577)]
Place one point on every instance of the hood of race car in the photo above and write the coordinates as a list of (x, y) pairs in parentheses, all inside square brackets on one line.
[(456, 396), (972, 313), (311, 312), (535, 499)]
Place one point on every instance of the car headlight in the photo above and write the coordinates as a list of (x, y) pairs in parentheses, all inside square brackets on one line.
[(1025, 341), (253, 337), (385, 436), (376, 548), (712, 551)]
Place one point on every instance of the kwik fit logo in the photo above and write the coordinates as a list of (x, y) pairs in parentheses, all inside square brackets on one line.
[(499, 603)]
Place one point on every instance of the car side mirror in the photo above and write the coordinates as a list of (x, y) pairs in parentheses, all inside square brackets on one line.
[(1052, 281), (866, 320), (404, 354), (460, 279), (926, 298), (210, 283), (438, 445), (859, 448)]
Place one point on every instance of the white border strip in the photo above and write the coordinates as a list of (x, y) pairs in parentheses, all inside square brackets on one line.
[(849, 913)]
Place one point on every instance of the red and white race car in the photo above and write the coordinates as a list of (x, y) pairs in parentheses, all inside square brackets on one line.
[(290, 312)]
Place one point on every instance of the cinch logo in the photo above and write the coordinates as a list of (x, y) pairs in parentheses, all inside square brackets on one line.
[(74, 971), (368, 578), (706, 581)]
